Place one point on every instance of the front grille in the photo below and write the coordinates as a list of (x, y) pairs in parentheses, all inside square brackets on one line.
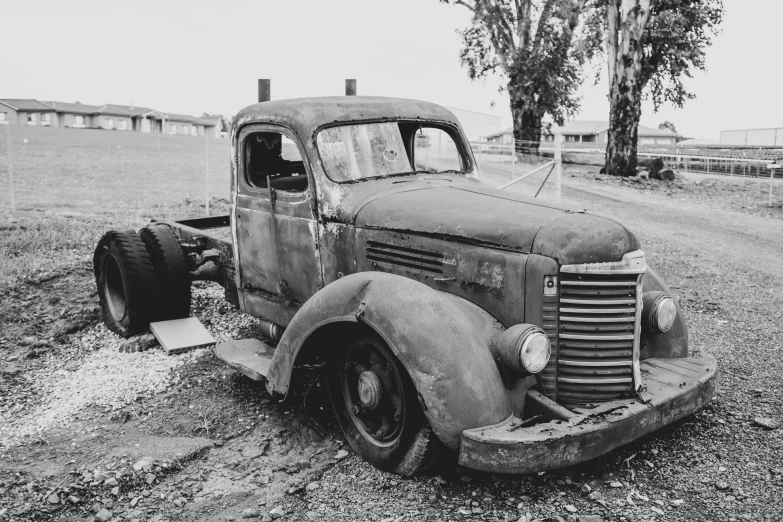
[(598, 328)]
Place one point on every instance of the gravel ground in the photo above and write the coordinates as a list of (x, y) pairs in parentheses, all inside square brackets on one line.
[(269, 461)]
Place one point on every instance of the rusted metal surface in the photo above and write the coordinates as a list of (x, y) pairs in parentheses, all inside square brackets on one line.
[(671, 344), (350, 87), (264, 90), (441, 340), (250, 357), (674, 389), (436, 264)]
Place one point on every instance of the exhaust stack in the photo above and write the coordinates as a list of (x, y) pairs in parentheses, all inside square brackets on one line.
[(264, 90), (350, 87)]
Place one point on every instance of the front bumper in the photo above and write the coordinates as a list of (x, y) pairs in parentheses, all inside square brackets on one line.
[(674, 388)]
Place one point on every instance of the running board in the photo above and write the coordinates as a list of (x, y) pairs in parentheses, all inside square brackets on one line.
[(250, 357)]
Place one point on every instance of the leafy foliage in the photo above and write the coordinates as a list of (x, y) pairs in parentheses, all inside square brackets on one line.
[(540, 48), (667, 125), (674, 43)]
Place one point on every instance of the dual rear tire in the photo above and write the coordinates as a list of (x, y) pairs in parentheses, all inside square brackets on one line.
[(141, 278)]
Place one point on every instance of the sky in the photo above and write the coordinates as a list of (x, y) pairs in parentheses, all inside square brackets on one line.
[(205, 56)]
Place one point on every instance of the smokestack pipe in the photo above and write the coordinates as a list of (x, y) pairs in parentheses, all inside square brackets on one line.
[(350, 87), (264, 90)]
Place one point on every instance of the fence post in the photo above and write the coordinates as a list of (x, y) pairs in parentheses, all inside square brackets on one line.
[(513, 156), (206, 171), (558, 165), (478, 160), (8, 162), (771, 168)]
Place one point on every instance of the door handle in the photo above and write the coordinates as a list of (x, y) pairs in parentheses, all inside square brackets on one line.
[(441, 279)]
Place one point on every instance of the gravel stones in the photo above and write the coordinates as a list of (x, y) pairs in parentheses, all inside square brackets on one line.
[(766, 423), (341, 455), (277, 512), (138, 343), (250, 513), (104, 515)]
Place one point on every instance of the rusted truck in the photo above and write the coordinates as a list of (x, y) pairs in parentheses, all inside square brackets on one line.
[(442, 315)]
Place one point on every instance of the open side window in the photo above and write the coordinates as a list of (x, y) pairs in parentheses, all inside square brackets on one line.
[(274, 156)]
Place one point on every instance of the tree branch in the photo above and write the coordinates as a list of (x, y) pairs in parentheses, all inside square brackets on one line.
[(463, 3)]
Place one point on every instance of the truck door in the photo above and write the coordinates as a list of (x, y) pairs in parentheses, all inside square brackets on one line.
[(276, 228)]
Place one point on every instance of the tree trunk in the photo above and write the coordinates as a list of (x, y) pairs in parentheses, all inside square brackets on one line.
[(527, 123), (627, 19)]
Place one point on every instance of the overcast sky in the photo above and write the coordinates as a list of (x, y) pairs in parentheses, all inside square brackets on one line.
[(194, 57)]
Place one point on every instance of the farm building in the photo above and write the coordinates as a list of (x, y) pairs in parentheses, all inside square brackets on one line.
[(582, 131), (761, 137), (477, 124), (107, 117)]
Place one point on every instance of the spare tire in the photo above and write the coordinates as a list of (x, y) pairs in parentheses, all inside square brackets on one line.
[(126, 282), (171, 271)]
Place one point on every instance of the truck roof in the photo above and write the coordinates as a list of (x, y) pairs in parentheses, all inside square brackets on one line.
[(305, 115)]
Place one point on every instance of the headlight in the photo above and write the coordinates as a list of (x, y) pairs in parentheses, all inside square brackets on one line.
[(524, 348), (659, 312)]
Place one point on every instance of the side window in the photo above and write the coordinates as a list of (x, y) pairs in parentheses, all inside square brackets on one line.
[(274, 156), (435, 151)]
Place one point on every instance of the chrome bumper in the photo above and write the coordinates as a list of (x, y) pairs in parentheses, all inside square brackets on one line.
[(672, 389)]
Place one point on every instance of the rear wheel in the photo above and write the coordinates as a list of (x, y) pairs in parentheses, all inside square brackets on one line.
[(171, 271), (377, 407), (126, 283)]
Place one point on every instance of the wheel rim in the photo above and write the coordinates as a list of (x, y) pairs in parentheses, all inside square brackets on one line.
[(113, 288), (373, 392)]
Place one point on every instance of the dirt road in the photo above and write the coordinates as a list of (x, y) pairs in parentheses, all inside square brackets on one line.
[(218, 449)]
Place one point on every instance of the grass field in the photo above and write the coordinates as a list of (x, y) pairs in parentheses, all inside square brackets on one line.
[(70, 185)]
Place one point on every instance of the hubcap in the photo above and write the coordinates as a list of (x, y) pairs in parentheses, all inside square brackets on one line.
[(370, 390), (373, 392)]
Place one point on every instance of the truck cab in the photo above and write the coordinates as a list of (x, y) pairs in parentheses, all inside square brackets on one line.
[(444, 316)]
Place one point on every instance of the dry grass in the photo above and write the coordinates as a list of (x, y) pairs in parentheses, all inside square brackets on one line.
[(67, 194)]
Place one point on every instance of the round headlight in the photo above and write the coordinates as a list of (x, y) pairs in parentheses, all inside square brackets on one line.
[(660, 312), (534, 352), (523, 348)]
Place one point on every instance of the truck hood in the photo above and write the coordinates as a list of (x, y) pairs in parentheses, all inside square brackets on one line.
[(479, 214)]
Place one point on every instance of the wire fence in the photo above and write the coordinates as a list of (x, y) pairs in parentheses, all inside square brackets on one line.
[(707, 159), (525, 167), (94, 171)]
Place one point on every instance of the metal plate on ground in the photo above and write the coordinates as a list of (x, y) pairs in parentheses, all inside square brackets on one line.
[(181, 335), (250, 357)]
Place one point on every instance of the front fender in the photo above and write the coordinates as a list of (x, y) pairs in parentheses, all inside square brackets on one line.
[(671, 344), (441, 340)]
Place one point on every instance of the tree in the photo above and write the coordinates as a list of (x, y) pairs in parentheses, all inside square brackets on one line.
[(539, 48), (667, 125), (651, 45)]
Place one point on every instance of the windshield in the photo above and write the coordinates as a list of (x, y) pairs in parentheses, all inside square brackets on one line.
[(371, 150)]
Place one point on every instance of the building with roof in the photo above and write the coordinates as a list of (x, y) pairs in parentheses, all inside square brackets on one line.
[(108, 117), (76, 115), (583, 131), (25, 112)]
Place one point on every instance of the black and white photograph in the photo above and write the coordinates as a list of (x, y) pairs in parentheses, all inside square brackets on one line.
[(391, 261)]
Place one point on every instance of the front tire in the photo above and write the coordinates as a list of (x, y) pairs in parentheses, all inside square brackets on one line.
[(377, 407), (126, 283)]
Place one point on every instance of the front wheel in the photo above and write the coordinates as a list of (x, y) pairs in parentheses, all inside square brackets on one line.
[(377, 408)]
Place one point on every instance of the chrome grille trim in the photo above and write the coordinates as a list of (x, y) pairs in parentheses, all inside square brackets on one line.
[(599, 330)]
